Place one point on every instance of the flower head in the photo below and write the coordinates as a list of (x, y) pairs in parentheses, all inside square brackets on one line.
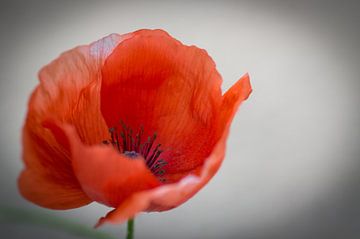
[(136, 122)]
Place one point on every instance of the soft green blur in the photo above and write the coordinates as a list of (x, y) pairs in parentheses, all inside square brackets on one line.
[(21, 216)]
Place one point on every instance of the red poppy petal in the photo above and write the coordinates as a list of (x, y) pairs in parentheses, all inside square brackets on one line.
[(239, 92), (155, 81), (68, 92), (172, 195), (105, 175), (49, 193)]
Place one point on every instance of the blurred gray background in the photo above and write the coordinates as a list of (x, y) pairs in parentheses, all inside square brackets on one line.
[(292, 168)]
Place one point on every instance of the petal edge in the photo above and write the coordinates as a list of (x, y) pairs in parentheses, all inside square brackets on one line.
[(170, 196)]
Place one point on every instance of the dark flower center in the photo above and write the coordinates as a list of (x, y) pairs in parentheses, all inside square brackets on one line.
[(131, 145), (131, 154)]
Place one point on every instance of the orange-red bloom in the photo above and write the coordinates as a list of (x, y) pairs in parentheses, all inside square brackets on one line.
[(136, 122)]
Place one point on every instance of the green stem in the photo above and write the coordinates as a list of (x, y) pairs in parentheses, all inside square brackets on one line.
[(22, 216), (130, 229)]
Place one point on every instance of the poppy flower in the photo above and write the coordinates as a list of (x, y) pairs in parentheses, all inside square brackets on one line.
[(136, 122)]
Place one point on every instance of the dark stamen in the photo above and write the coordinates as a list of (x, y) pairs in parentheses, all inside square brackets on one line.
[(112, 130), (154, 156), (117, 142), (150, 145), (132, 147)]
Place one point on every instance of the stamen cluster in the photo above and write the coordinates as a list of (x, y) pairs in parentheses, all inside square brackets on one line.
[(130, 144)]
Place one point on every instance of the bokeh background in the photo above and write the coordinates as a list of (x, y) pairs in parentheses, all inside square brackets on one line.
[(292, 168)]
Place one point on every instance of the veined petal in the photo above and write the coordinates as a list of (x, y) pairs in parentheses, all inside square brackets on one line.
[(51, 193), (68, 92), (172, 195), (154, 81)]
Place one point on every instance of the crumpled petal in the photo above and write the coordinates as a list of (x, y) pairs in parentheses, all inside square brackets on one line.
[(154, 81), (172, 195), (104, 174), (68, 92)]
